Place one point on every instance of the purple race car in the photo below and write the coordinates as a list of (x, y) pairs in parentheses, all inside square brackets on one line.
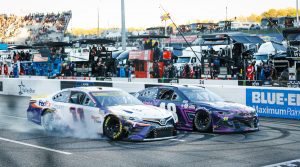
[(197, 108)]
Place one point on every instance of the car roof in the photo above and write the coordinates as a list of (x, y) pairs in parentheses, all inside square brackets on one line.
[(180, 86), (93, 89)]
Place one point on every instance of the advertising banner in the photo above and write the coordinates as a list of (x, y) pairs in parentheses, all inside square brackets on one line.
[(30, 87), (73, 84), (274, 103), (3, 46)]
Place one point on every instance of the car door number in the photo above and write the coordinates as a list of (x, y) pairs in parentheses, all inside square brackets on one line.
[(77, 112), (170, 107)]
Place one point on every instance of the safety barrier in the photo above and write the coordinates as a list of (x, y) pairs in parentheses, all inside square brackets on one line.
[(268, 101)]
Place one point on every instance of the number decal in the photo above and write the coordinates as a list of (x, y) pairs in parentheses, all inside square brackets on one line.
[(78, 112), (170, 107)]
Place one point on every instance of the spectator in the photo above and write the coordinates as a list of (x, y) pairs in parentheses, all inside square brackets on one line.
[(5, 69), (258, 70), (172, 71), (130, 72), (268, 72), (186, 71), (166, 72), (156, 52), (103, 49), (16, 70), (251, 71), (156, 69), (262, 73), (197, 70), (284, 76)]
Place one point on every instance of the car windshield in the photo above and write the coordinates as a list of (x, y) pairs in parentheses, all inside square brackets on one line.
[(115, 98), (199, 94), (183, 60)]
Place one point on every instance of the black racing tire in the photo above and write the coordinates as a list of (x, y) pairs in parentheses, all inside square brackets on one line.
[(203, 121), (47, 121), (113, 128)]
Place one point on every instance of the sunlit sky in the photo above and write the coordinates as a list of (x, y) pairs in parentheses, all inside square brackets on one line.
[(142, 13)]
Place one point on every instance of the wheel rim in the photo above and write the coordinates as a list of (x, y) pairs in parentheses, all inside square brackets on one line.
[(203, 120), (112, 127)]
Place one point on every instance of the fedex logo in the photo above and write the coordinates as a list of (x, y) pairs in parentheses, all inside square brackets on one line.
[(44, 103)]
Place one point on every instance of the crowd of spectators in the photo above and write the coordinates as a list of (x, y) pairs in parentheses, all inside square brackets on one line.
[(33, 27), (266, 72), (189, 71)]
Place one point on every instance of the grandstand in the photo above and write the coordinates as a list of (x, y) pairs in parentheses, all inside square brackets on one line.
[(34, 28)]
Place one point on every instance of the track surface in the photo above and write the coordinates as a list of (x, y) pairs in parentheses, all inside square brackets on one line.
[(25, 144)]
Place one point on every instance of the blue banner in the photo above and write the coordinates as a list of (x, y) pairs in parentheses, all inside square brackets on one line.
[(274, 103), (3, 46)]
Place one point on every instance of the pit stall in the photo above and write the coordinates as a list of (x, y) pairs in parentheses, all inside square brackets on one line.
[(144, 58)]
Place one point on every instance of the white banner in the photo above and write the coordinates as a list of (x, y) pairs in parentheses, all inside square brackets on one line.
[(30, 87)]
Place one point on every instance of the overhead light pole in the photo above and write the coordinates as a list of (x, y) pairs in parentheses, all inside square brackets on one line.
[(297, 13), (123, 25)]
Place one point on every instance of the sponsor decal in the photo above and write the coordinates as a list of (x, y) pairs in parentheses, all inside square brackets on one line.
[(44, 103), (96, 119), (1, 86), (293, 84), (73, 84), (274, 103), (23, 89), (162, 121), (250, 83), (103, 79), (201, 82), (168, 80)]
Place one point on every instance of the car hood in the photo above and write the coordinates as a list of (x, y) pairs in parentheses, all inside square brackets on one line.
[(140, 111), (227, 106)]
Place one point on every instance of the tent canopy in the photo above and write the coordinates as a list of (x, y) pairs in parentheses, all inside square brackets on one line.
[(247, 39), (148, 36), (53, 44), (94, 41)]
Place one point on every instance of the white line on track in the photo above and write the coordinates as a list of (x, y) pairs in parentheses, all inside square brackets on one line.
[(292, 163), (177, 140), (35, 146), (13, 117)]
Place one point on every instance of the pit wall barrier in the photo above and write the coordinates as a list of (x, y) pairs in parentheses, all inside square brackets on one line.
[(268, 102)]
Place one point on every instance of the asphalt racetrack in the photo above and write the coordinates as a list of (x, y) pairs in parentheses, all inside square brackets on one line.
[(23, 143)]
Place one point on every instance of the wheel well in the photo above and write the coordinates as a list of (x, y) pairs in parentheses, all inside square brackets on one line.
[(45, 110), (198, 110), (201, 110), (110, 115)]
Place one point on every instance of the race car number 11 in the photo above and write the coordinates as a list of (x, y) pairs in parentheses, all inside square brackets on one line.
[(78, 112), (170, 107)]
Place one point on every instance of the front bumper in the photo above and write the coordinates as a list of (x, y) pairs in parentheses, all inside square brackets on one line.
[(236, 124), (146, 131)]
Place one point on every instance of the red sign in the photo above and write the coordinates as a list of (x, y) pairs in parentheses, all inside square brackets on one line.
[(167, 55), (141, 55), (180, 39)]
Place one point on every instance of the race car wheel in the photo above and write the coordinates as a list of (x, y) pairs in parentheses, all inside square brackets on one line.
[(203, 121), (47, 120), (113, 128)]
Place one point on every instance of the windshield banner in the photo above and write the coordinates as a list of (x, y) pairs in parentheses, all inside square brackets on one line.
[(274, 103), (73, 84)]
